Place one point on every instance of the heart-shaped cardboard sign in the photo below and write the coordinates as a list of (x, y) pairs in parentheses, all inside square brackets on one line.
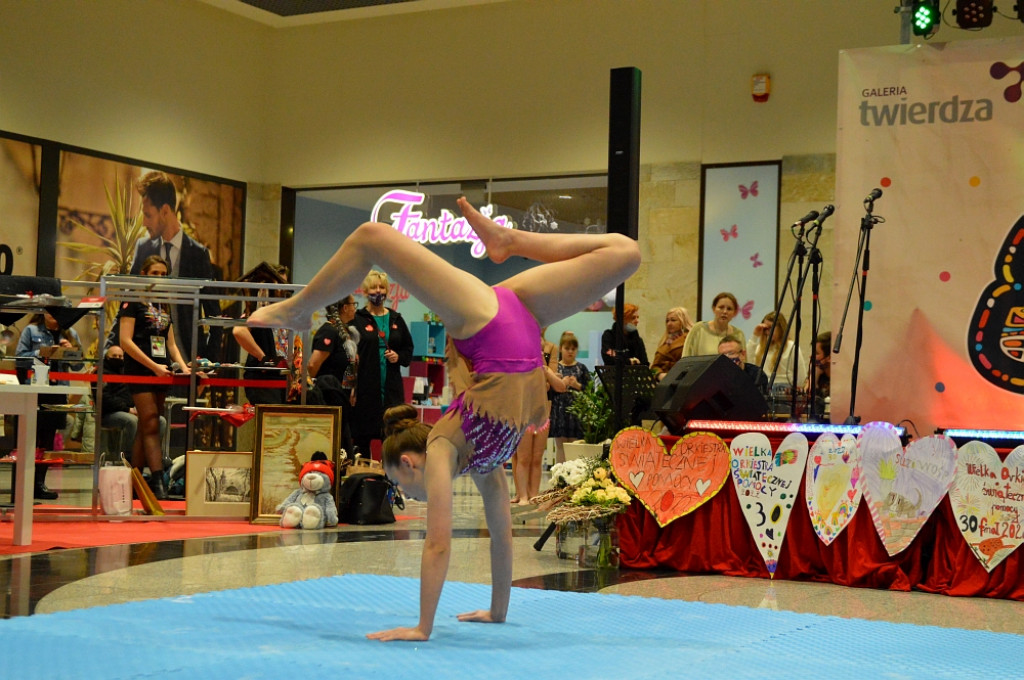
[(988, 500), (831, 484), (903, 486), (767, 483), (669, 483)]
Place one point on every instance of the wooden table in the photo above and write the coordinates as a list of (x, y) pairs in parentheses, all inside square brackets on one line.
[(23, 401)]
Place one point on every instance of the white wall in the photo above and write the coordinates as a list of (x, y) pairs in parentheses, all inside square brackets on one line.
[(506, 89)]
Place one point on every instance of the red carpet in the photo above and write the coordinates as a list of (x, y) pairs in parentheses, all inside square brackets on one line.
[(86, 534), (55, 535)]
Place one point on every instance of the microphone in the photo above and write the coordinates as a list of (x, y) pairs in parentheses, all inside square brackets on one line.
[(809, 217), (826, 212), (873, 196)]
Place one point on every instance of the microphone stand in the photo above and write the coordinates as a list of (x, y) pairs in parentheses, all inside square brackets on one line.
[(863, 249), (812, 402), (797, 256), (813, 233)]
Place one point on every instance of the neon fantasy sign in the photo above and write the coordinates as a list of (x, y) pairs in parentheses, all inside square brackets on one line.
[(442, 230)]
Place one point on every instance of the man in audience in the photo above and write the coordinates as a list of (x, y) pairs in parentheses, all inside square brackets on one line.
[(732, 347)]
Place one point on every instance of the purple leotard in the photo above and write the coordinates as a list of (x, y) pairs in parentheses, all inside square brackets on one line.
[(506, 388)]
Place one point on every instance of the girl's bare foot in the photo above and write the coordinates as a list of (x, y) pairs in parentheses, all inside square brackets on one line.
[(496, 238), (284, 314)]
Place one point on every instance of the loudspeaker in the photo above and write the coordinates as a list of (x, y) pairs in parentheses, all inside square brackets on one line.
[(707, 388), (624, 152)]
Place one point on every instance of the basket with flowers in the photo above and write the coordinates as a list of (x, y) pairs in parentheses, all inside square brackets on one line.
[(586, 499)]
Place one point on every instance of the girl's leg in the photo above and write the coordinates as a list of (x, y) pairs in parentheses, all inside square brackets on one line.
[(521, 471), (540, 444), (463, 302), (590, 265), (514, 460)]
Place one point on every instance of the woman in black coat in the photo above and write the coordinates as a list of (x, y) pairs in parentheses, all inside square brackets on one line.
[(385, 345)]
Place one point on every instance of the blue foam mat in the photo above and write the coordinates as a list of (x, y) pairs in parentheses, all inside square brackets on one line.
[(308, 628)]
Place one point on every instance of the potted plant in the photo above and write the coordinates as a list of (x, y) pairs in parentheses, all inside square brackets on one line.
[(593, 410)]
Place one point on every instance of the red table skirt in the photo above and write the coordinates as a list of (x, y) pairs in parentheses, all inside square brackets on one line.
[(715, 539)]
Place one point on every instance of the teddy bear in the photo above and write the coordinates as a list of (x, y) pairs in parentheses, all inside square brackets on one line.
[(312, 505)]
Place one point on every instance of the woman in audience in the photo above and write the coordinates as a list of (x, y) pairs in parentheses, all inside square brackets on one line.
[(149, 349), (703, 338), (385, 345), (670, 348), (783, 360), (529, 456)]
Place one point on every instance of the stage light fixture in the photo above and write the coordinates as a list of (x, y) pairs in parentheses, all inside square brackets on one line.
[(996, 438), (777, 428), (925, 16), (973, 13)]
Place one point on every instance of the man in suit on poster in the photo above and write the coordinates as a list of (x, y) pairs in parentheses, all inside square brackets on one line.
[(186, 258)]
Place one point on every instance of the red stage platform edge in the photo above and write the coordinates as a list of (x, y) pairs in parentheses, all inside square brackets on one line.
[(715, 539)]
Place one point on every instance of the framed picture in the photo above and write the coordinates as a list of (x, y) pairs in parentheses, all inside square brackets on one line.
[(218, 483), (286, 439)]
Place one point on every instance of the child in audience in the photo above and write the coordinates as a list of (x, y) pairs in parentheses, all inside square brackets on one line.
[(564, 425)]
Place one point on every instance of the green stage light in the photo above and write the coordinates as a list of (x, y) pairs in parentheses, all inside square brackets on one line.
[(973, 13), (924, 16)]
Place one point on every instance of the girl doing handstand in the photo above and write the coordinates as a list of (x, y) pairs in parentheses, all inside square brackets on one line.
[(496, 370)]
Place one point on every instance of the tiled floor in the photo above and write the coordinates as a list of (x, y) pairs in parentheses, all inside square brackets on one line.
[(68, 579)]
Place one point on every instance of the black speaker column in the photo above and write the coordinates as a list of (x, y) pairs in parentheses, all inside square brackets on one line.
[(624, 152), (623, 183)]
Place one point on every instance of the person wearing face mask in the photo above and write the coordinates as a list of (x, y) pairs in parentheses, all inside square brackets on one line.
[(704, 337), (633, 349), (385, 345)]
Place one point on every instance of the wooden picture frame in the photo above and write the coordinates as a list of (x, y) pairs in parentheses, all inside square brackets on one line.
[(218, 483), (286, 439)]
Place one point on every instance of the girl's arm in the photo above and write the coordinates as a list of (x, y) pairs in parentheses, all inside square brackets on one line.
[(437, 546), (127, 329), (494, 490)]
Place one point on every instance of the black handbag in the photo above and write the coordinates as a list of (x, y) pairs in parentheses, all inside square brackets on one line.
[(366, 498)]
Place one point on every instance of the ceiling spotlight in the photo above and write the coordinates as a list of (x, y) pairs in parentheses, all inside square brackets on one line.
[(924, 16), (974, 13)]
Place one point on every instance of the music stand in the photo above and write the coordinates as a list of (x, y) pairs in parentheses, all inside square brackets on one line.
[(638, 383)]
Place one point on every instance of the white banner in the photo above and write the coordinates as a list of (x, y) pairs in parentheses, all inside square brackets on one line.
[(940, 129)]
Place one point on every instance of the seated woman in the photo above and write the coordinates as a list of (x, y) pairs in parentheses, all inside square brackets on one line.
[(784, 361), (633, 350), (44, 331), (670, 348), (822, 368), (704, 337)]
